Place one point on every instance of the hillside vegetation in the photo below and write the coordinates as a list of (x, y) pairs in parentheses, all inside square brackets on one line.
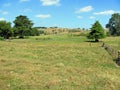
[(57, 62)]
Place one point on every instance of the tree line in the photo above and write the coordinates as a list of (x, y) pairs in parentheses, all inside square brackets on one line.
[(97, 31), (22, 27)]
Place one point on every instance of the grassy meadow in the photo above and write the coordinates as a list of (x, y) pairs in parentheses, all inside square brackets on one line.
[(57, 62)]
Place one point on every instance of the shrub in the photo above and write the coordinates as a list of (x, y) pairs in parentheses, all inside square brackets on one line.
[(1, 38)]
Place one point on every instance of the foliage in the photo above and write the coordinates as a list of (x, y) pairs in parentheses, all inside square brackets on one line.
[(97, 32), (5, 29), (34, 32), (41, 32), (114, 24), (1, 38), (22, 26)]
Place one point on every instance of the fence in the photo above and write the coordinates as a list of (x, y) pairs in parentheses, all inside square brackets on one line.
[(113, 52), (118, 55)]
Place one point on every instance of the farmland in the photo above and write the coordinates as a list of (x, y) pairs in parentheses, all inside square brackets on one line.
[(58, 62)]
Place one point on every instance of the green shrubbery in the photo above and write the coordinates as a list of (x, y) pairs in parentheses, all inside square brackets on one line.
[(1, 38), (22, 27), (5, 29)]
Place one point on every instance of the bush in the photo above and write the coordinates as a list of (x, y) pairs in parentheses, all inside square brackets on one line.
[(34, 32), (1, 38), (41, 31), (5, 29)]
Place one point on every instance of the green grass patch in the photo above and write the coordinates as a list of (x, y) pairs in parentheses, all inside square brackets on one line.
[(57, 62)]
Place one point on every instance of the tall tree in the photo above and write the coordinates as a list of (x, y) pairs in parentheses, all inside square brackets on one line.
[(5, 29), (114, 24), (97, 32), (22, 26)]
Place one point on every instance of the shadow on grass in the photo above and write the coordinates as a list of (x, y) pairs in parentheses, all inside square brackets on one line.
[(25, 37), (93, 41), (117, 61)]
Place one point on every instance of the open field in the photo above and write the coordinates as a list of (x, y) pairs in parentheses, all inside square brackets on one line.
[(57, 62)]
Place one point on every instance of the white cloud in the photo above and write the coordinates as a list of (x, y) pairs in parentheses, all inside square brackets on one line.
[(79, 17), (2, 19), (91, 17), (43, 16), (50, 2), (85, 9), (7, 4), (107, 12), (4, 12), (24, 0)]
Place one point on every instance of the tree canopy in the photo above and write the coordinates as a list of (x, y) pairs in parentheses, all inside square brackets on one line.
[(114, 25), (5, 29), (97, 32), (22, 26)]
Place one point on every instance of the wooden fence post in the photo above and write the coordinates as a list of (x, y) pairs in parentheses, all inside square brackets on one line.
[(119, 55)]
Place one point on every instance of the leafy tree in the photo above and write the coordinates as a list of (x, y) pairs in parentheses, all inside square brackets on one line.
[(114, 24), (34, 32), (22, 26), (97, 32), (5, 29)]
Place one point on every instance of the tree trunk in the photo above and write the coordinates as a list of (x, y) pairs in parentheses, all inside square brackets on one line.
[(6, 37), (21, 37), (96, 40)]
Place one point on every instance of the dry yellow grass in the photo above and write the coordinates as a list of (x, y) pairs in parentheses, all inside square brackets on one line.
[(60, 63)]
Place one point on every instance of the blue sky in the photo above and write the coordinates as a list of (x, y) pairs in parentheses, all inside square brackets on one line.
[(61, 13)]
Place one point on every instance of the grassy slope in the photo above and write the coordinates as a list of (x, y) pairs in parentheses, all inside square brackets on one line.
[(113, 41), (56, 63)]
